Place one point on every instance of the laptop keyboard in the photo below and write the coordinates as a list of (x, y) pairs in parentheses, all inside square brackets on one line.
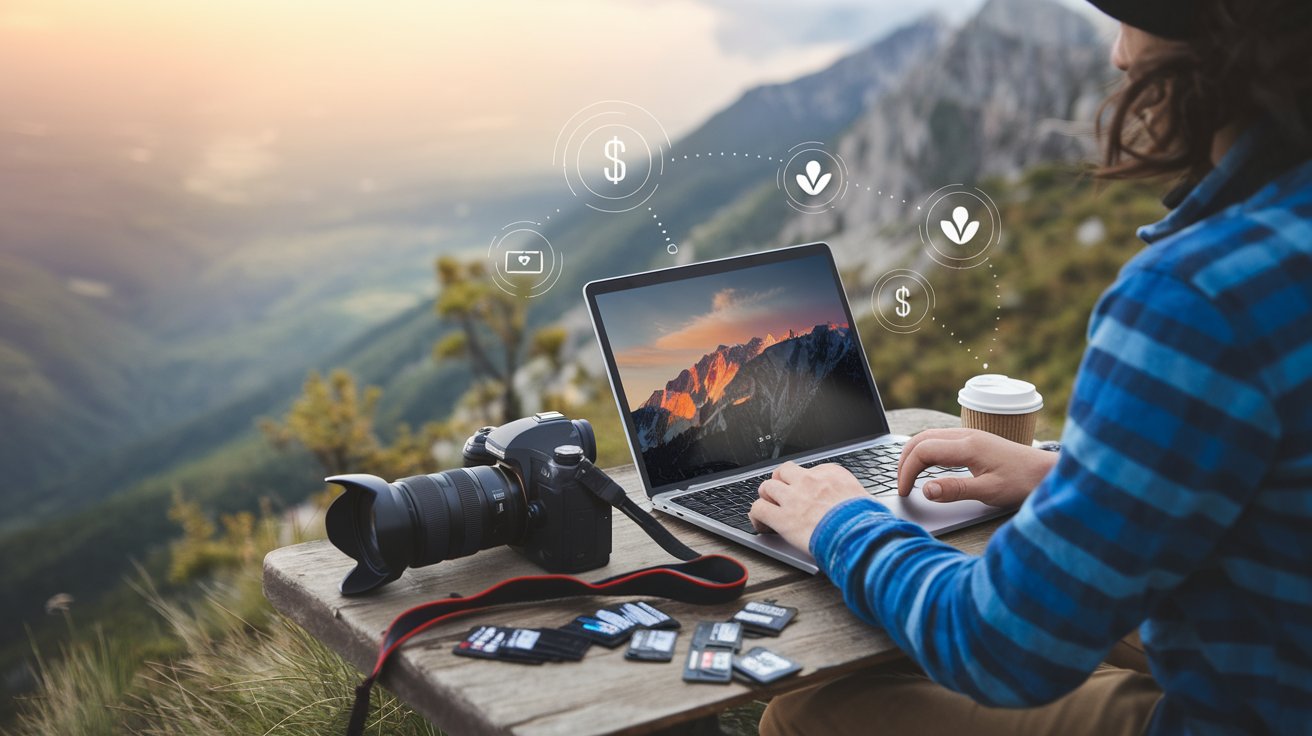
[(875, 467)]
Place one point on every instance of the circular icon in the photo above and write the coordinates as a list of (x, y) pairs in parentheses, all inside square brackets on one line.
[(813, 179), (961, 224), (612, 154), (901, 300), (524, 263)]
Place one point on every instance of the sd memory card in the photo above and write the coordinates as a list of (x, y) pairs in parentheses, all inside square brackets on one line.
[(763, 666), (652, 645), (603, 632), (708, 664), (726, 634), (646, 615)]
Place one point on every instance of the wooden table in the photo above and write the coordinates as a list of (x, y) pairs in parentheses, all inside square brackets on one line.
[(604, 693)]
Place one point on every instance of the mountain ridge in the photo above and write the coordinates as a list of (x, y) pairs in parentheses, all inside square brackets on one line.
[(1009, 90), (799, 393)]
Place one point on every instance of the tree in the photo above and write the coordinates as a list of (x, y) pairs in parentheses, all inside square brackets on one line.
[(492, 327), (549, 342), (333, 419)]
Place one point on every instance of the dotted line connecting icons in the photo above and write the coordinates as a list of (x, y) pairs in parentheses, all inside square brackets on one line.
[(901, 299), (612, 154), (524, 263), (961, 224), (814, 180), (993, 341)]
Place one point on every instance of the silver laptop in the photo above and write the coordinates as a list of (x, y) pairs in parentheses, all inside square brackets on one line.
[(724, 370)]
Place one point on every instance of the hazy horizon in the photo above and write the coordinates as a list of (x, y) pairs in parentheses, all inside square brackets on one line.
[(248, 101)]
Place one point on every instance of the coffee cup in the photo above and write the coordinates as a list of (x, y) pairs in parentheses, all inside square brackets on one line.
[(1004, 406)]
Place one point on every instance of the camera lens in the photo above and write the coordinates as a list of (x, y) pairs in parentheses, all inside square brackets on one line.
[(422, 520)]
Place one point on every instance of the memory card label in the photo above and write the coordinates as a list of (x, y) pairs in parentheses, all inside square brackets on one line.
[(645, 614), (652, 645), (766, 618), (522, 639), (727, 634), (763, 666), (768, 608), (619, 621), (708, 665), (481, 641)]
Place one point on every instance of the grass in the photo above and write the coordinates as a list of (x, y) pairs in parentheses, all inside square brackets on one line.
[(243, 669), (227, 663)]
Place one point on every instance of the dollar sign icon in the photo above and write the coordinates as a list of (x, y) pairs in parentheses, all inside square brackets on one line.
[(903, 306), (614, 147)]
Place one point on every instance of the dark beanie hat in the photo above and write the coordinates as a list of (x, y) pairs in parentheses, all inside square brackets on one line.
[(1172, 19)]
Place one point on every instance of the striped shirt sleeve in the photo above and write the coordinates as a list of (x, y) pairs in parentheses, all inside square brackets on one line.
[(1168, 435)]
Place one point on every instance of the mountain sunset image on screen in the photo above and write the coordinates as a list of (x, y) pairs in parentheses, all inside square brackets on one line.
[(729, 370)]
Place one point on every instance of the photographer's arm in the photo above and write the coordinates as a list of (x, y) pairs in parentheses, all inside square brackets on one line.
[(1111, 532)]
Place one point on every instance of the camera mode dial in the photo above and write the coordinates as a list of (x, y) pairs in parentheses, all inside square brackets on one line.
[(568, 455)]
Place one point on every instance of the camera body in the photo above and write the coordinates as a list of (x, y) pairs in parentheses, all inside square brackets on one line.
[(568, 527), (520, 486)]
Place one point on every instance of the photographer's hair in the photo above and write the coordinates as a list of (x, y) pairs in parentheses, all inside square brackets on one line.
[(1247, 59)]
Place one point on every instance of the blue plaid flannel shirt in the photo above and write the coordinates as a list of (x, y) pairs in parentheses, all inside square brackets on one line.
[(1182, 499)]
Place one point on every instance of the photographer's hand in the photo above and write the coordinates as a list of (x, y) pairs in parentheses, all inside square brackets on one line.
[(794, 499), (1004, 472)]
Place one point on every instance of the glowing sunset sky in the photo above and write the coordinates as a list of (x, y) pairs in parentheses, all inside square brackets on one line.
[(378, 93)]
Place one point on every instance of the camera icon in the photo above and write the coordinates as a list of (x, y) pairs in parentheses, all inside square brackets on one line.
[(523, 261)]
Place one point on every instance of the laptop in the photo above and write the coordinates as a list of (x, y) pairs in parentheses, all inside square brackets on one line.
[(725, 369)]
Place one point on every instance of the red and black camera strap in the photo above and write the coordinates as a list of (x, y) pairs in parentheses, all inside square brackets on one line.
[(700, 579)]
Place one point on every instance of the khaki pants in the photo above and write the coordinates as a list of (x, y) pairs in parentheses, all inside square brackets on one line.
[(1117, 699)]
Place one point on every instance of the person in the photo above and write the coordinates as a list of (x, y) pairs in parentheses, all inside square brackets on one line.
[(1180, 504)]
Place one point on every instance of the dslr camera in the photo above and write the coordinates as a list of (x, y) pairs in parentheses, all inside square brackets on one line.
[(519, 486)]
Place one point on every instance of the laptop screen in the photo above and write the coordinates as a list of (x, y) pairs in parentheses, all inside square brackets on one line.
[(735, 364)]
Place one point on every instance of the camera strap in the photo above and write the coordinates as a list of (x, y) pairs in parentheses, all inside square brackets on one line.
[(700, 579)]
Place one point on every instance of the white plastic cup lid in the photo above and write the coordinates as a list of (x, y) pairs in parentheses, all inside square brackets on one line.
[(992, 393)]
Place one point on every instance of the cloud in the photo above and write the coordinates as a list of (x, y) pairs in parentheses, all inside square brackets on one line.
[(648, 357), (231, 165), (734, 316)]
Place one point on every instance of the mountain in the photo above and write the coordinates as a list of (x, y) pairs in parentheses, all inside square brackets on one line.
[(761, 399), (767, 120), (217, 320), (817, 106), (677, 406), (1014, 87), (130, 305)]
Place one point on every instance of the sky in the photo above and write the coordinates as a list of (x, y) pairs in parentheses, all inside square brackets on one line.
[(245, 96), (695, 316)]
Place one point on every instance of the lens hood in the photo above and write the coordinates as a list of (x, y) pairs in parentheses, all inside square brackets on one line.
[(370, 522)]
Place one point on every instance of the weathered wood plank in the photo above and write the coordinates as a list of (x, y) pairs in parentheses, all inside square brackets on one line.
[(604, 694)]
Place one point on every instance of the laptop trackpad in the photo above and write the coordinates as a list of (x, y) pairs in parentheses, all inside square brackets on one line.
[(937, 518)]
